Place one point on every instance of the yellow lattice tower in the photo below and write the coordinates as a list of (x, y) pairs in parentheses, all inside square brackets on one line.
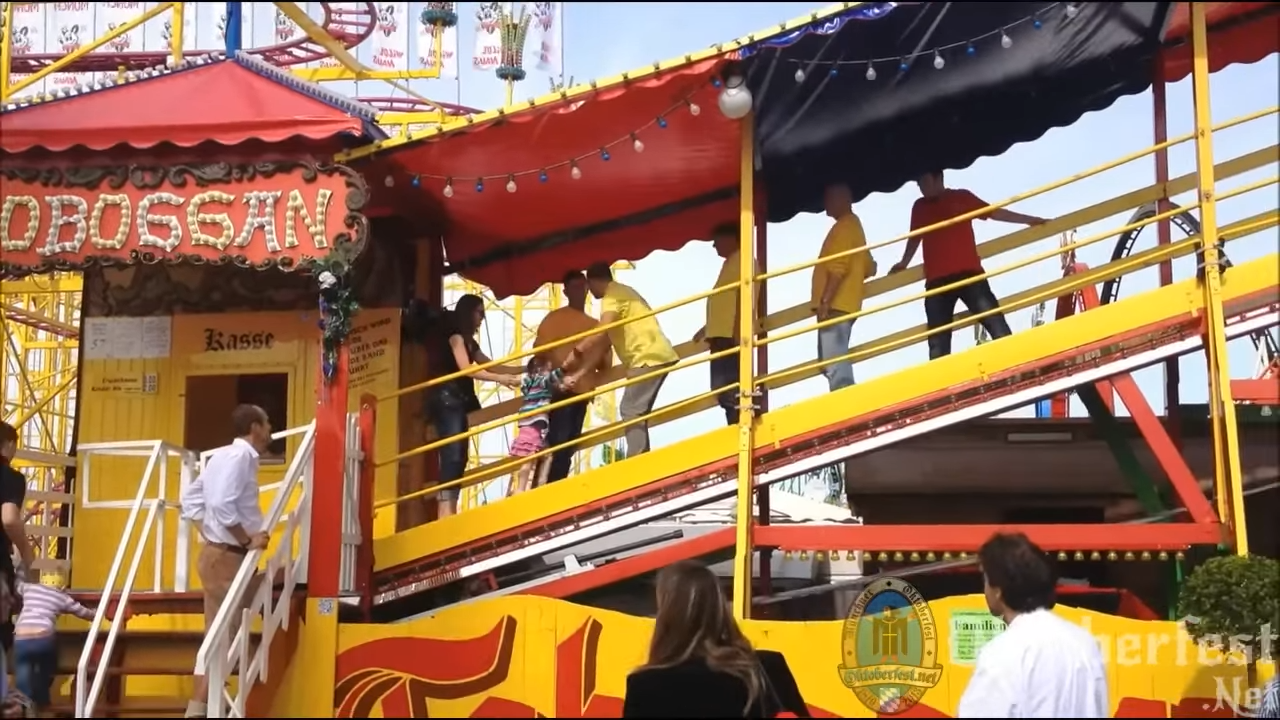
[(511, 325), (39, 356)]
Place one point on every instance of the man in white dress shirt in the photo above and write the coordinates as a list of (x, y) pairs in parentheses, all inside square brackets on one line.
[(231, 518), (1042, 665)]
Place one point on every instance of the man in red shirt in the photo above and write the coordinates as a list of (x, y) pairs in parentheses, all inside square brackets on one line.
[(951, 256)]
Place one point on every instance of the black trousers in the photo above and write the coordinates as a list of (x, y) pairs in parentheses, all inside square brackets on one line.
[(724, 371), (940, 310), (566, 425)]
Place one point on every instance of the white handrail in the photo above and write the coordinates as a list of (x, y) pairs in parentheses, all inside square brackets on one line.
[(158, 454), (222, 655), (156, 505)]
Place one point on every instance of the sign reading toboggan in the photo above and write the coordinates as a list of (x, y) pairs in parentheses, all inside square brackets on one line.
[(263, 215)]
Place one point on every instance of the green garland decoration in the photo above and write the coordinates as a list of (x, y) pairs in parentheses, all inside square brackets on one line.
[(338, 304)]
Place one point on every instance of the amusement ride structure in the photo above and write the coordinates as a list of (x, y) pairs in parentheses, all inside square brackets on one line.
[(161, 269)]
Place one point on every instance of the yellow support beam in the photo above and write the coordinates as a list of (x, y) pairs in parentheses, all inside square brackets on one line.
[(1228, 480), (6, 49), (352, 69), (82, 51), (745, 548), (830, 409)]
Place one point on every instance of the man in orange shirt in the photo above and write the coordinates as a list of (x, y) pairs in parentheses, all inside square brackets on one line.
[(565, 423), (951, 256)]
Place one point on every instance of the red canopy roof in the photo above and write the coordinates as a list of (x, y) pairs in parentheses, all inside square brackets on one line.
[(227, 102), (1240, 33), (630, 206), (625, 203)]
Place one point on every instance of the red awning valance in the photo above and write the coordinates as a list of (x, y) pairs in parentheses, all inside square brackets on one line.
[(227, 102)]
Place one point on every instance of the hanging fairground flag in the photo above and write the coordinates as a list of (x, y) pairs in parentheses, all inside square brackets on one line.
[(391, 37), (158, 31), (448, 48), (488, 47), (548, 35), (68, 28), (28, 39)]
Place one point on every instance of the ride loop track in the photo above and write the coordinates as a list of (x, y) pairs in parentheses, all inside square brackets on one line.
[(350, 23)]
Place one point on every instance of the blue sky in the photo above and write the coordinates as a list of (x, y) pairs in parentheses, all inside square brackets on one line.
[(602, 39)]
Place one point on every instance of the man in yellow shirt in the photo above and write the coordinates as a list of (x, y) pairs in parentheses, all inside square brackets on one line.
[(838, 284), (641, 346), (565, 423), (722, 329)]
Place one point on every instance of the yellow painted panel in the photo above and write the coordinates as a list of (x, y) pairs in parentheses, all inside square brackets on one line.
[(566, 660), (114, 406), (822, 411)]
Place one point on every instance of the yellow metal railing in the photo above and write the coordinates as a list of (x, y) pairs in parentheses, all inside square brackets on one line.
[(8, 90), (1227, 478), (1056, 288)]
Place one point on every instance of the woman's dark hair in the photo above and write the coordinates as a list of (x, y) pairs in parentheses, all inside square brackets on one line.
[(8, 433), (694, 622), (464, 312), (1020, 570)]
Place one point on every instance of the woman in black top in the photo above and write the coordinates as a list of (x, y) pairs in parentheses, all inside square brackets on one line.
[(700, 664), (448, 403)]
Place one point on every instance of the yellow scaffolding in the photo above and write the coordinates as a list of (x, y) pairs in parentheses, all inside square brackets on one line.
[(39, 354)]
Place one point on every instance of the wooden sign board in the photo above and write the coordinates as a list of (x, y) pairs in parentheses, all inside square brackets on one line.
[(275, 214)]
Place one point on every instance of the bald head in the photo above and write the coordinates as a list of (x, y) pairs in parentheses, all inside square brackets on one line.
[(837, 200)]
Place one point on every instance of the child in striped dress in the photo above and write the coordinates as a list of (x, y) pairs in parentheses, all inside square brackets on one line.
[(35, 644), (540, 383)]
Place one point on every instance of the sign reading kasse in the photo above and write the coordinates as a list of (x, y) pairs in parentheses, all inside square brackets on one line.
[(260, 219)]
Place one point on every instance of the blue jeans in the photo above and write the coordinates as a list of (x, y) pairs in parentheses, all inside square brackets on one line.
[(35, 661), (451, 422), (833, 342)]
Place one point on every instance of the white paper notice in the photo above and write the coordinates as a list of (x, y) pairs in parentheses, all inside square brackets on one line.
[(126, 338), (157, 335), (96, 343)]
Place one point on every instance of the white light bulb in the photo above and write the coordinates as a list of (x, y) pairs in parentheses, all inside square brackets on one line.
[(871, 71), (938, 62), (1006, 42), (391, 182), (448, 190), (511, 186), (800, 75), (1072, 10), (694, 109), (575, 172), (637, 145)]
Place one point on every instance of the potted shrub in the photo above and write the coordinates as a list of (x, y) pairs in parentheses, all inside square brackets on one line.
[(1229, 602)]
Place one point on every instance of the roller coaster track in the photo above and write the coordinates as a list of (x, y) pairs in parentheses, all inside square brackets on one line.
[(1264, 341), (350, 23)]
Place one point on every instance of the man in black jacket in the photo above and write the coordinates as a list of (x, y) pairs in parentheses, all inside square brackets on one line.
[(13, 494)]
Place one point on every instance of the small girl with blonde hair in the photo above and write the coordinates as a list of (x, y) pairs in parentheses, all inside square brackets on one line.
[(540, 383)]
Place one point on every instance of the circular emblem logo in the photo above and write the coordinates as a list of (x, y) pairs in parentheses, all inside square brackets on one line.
[(889, 647)]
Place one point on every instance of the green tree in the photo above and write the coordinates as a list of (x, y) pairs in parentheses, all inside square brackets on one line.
[(1233, 603)]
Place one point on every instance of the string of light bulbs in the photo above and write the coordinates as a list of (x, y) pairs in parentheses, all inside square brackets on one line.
[(940, 53), (574, 164)]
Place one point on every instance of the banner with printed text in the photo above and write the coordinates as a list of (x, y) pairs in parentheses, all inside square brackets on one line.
[(487, 53), (546, 35)]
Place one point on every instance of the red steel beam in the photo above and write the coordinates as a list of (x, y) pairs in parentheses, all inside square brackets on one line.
[(1265, 391), (636, 565), (968, 538), (1153, 431)]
